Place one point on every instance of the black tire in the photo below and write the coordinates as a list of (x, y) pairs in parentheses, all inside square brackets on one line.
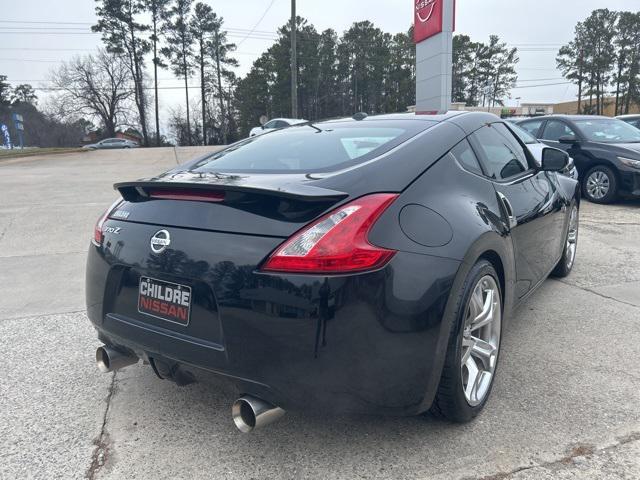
[(565, 265), (611, 195), (450, 402)]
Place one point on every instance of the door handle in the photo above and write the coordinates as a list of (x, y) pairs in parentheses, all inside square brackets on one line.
[(508, 211)]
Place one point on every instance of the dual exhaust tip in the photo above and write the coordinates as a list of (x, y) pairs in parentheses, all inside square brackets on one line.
[(109, 359), (248, 412)]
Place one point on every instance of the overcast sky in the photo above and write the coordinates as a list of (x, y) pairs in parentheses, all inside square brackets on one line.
[(537, 27)]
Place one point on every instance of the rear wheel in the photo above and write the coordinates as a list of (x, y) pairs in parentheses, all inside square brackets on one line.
[(600, 185), (565, 265), (474, 345)]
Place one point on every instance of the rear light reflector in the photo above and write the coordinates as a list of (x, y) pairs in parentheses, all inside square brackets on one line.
[(337, 242), (98, 236), (187, 195)]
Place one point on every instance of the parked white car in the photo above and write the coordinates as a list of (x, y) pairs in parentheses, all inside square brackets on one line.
[(274, 124), (109, 143)]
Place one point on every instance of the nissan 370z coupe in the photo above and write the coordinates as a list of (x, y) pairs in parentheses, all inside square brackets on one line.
[(357, 265)]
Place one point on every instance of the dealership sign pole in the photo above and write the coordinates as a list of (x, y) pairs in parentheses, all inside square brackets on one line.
[(434, 24)]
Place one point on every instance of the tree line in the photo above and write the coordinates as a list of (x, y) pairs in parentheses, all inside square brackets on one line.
[(363, 69), (44, 129), (603, 60)]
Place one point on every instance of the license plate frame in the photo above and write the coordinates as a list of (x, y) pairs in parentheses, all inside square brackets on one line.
[(156, 295)]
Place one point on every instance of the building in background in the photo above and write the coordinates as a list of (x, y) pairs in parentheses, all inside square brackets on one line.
[(524, 110), (571, 108)]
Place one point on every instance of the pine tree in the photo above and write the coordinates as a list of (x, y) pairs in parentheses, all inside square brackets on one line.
[(220, 51), (123, 34), (179, 49), (157, 9), (202, 26)]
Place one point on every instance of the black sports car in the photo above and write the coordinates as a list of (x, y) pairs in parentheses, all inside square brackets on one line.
[(358, 265), (606, 152)]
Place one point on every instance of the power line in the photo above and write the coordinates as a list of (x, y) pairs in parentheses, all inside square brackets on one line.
[(47, 22), (542, 85), (258, 22)]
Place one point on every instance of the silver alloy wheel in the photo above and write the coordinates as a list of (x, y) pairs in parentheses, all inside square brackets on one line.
[(481, 340), (572, 238), (598, 185)]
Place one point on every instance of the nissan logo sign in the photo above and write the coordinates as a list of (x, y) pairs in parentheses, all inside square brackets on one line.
[(160, 241), (424, 9)]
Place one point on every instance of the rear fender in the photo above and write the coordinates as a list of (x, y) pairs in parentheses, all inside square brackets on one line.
[(490, 246)]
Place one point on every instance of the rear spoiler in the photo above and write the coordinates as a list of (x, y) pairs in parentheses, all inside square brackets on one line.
[(139, 190)]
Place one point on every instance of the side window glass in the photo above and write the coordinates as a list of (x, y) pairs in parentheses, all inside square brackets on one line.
[(501, 157), (271, 124), (466, 157), (532, 127), (556, 129)]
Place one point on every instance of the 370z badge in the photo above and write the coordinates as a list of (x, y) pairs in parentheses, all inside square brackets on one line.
[(164, 300)]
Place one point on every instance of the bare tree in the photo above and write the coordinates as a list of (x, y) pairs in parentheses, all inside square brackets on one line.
[(97, 86)]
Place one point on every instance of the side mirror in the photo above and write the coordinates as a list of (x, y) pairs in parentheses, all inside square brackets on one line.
[(568, 139), (554, 160), (262, 127)]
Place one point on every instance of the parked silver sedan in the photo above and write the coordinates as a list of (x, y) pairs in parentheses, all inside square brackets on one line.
[(109, 143)]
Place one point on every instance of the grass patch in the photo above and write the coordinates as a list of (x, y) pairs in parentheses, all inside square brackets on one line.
[(29, 152)]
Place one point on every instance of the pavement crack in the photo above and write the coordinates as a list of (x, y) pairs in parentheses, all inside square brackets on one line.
[(102, 445), (602, 295), (577, 451), (7, 227)]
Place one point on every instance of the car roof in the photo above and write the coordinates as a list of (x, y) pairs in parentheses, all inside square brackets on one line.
[(466, 121), (631, 116), (290, 120)]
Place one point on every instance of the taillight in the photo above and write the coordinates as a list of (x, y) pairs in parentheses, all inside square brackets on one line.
[(98, 236), (187, 195), (337, 242)]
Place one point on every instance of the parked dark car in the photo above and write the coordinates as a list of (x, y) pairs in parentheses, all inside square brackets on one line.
[(349, 266), (536, 147), (630, 119), (606, 152)]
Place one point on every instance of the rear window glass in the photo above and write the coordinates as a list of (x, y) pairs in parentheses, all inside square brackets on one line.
[(322, 147)]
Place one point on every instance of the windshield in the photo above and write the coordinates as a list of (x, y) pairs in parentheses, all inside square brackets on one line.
[(525, 136), (311, 148), (608, 131)]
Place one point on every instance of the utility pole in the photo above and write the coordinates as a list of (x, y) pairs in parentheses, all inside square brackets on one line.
[(294, 63)]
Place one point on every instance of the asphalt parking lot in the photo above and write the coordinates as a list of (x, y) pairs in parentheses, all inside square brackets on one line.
[(566, 403)]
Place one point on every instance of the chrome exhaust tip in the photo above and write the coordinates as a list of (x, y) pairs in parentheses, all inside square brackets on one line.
[(109, 359), (250, 413)]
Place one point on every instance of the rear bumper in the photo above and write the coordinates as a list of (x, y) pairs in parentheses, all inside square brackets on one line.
[(367, 343)]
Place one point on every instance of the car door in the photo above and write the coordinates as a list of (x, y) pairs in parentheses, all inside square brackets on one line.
[(554, 129), (530, 199)]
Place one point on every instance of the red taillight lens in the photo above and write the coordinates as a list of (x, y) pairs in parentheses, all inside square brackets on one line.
[(98, 236), (187, 195), (97, 230), (337, 242)]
